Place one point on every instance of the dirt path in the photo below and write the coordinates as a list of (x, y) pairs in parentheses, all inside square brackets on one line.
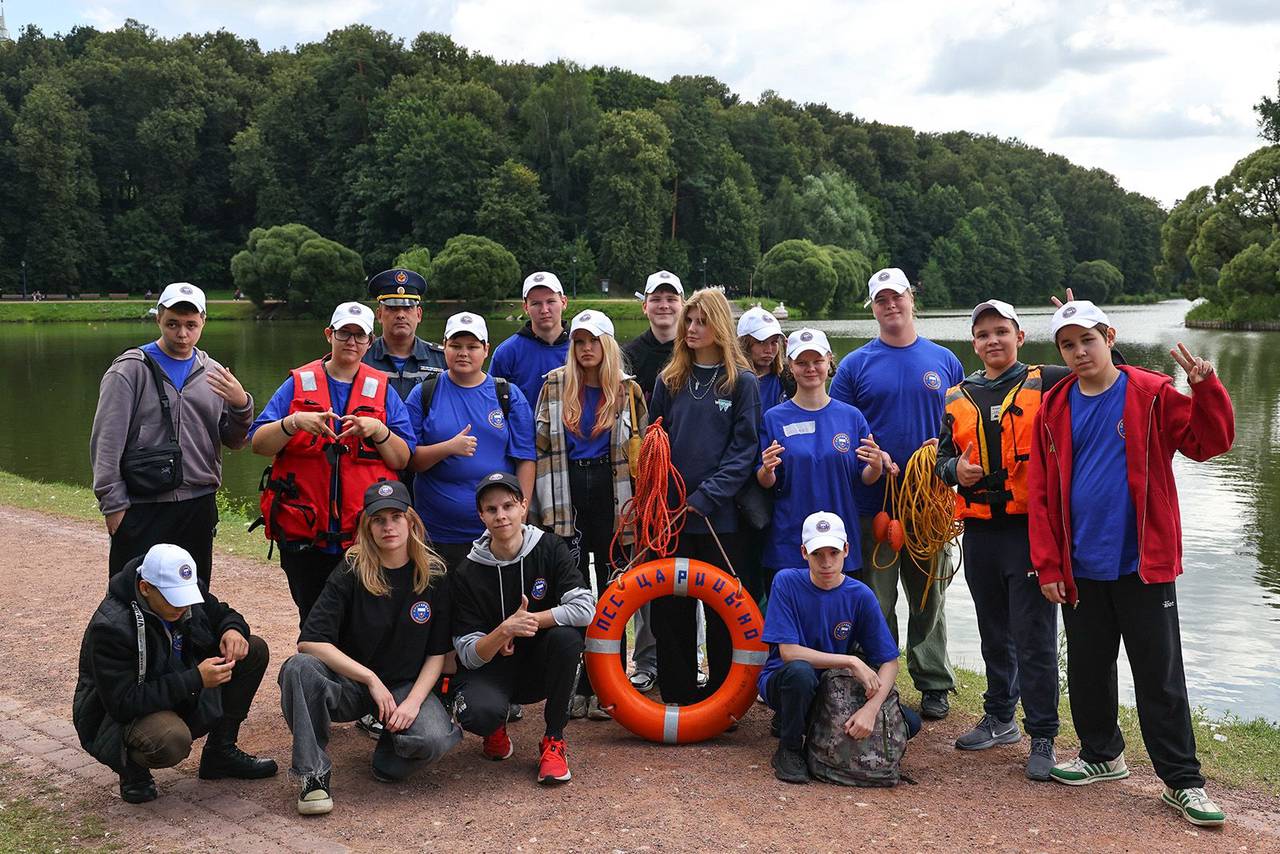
[(626, 795)]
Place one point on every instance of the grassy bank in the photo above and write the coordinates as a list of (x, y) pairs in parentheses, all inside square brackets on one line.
[(40, 820), (89, 311), (1233, 751)]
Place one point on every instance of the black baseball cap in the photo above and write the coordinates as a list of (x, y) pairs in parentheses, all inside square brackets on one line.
[(387, 494), (504, 479)]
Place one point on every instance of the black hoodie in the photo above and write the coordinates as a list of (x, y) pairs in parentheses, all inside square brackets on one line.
[(646, 357)]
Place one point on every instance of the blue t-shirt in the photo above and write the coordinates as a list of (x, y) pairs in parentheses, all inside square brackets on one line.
[(339, 395), (820, 471), (525, 360), (1104, 526), (586, 446), (771, 392), (902, 392), (176, 369), (843, 620), (445, 494), (399, 362)]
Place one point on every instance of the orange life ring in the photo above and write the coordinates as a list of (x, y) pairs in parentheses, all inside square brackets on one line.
[(675, 577)]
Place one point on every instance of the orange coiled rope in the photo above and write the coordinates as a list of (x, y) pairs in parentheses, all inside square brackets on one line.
[(655, 523)]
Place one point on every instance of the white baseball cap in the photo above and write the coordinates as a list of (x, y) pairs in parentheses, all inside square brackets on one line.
[(759, 324), (465, 321), (171, 570), (541, 279), (823, 530), (807, 339), (890, 278), (595, 322), (999, 306), (181, 292), (350, 313), (660, 278), (1080, 312)]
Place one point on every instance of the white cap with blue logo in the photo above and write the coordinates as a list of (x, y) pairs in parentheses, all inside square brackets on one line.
[(823, 530), (352, 314), (808, 339), (595, 322), (465, 321), (758, 323), (171, 570), (542, 279), (1080, 312)]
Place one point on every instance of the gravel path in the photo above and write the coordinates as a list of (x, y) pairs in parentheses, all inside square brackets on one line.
[(626, 795)]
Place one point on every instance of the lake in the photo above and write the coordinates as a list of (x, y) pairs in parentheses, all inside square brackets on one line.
[(1229, 596)]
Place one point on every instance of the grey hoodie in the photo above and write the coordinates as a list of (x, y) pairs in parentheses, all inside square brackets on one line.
[(129, 416), (486, 590)]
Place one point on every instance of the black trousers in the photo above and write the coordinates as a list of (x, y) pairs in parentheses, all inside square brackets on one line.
[(791, 691), (1145, 616), (451, 553), (307, 570), (591, 493), (239, 691), (1018, 627), (189, 524), (752, 572), (675, 628), (543, 667)]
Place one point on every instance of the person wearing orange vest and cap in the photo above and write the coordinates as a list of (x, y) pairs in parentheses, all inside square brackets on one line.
[(983, 449)]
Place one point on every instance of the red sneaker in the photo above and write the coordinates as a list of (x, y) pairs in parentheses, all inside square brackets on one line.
[(554, 767), (497, 746)]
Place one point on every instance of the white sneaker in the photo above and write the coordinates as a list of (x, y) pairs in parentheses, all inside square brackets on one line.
[(1195, 806), (1077, 772)]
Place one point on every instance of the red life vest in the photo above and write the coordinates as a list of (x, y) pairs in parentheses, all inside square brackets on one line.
[(314, 490)]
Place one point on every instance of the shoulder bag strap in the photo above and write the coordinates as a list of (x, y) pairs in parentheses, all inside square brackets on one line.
[(164, 398), (142, 642)]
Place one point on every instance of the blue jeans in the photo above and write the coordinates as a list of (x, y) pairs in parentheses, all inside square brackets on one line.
[(791, 691)]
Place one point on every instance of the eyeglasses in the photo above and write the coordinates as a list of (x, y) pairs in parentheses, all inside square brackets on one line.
[(358, 337)]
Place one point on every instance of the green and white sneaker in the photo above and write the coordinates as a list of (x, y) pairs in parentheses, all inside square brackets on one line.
[(1195, 806), (1077, 772)]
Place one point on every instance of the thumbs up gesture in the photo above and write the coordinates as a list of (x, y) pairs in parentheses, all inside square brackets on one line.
[(968, 473), (521, 624), (464, 444)]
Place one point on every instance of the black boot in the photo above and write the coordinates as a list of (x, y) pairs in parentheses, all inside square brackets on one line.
[(221, 758), (137, 786)]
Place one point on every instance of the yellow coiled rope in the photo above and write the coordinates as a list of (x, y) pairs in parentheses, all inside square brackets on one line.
[(925, 508)]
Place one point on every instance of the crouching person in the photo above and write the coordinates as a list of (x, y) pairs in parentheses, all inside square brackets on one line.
[(374, 643), (520, 605), (162, 663), (818, 618)]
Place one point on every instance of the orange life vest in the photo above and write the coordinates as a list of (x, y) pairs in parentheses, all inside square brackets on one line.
[(314, 491), (1004, 482)]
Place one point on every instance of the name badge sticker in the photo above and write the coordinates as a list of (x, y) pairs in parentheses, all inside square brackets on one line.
[(799, 428), (370, 387), (308, 381)]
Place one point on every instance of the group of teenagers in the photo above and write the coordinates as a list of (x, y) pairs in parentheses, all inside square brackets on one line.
[(439, 527)]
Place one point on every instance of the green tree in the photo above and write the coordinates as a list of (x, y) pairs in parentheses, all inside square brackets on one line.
[(561, 118), (312, 274), (415, 258), (576, 264), (799, 272), (853, 269), (732, 233), (832, 212), (476, 270), (1096, 280), (1268, 110), (513, 212), (1253, 271), (783, 219)]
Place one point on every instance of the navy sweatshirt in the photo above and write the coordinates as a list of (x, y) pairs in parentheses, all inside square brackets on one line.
[(525, 359), (714, 442)]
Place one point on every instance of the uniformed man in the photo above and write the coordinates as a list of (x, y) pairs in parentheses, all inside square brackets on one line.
[(399, 352)]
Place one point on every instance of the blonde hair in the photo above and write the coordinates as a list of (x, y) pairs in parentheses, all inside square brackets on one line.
[(574, 392), (363, 558), (779, 358), (715, 307)]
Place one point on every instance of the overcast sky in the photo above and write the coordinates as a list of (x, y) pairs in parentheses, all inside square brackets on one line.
[(1160, 92)]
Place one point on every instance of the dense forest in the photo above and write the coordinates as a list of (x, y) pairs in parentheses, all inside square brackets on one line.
[(127, 159)]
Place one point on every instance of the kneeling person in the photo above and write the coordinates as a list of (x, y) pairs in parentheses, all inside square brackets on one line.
[(520, 604), (162, 663), (817, 618), (374, 643)]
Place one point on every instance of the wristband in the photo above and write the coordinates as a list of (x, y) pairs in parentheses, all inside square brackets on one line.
[(284, 429), (384, 439)]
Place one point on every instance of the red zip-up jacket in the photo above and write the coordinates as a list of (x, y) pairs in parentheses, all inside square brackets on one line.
[(1158, 421)]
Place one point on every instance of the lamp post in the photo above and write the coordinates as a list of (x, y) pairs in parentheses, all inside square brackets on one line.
[(24, 279), (575, 276), (158, 287), (704, 273)]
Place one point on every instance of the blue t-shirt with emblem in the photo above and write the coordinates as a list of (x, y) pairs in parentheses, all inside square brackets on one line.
[(1104, 526), (842, 620), (820, 471), (525, 360), (771, 392), (586, 446), (176, 369), (902, 392), (444, 495)]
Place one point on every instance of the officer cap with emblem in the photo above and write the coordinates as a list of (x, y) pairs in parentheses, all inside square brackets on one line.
[(397, 287)]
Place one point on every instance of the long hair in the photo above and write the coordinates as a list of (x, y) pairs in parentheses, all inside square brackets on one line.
[(779, 358), (363, 559), (720, 322), (574, 392)]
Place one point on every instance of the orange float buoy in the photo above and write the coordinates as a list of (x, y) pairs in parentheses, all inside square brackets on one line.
[(880, 527), (675, 577), (896, 536)]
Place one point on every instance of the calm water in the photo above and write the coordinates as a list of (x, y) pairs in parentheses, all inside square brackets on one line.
[(1229, 596)]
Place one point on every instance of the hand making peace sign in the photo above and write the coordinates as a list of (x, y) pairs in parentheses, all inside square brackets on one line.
[(1197, 369)]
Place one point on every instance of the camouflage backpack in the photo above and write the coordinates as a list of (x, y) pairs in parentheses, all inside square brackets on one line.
[(837, 758)]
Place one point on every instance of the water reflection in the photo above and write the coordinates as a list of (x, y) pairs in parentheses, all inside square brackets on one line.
[(1229, 596)]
